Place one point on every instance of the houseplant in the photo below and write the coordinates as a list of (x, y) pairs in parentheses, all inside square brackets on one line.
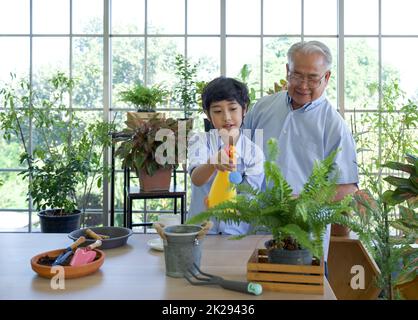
[(66, 156), (150, 149), (145, 99), (297, 223), (394, 254), (186, 89)]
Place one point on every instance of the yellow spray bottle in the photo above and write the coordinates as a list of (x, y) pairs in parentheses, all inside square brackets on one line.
[(222, 186)]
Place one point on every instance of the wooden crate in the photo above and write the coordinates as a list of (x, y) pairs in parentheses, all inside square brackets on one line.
[(285, 277)]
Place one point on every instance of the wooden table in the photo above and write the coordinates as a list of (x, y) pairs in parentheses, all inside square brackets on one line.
[(133, 271)]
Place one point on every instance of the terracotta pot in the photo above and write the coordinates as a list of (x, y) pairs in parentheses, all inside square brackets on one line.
[(338, 230), (160, 181), (145, 116), (69, 271)]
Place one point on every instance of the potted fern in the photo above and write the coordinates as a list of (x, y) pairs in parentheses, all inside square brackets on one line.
[(297, 223), (145, 99)]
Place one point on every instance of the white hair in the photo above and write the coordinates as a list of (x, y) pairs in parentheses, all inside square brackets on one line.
[(309, 48)]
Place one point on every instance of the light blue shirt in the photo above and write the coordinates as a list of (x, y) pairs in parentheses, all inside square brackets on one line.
[(305, 135), (250, 163)]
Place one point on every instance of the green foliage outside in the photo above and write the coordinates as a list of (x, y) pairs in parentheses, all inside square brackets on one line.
[(185, 90)]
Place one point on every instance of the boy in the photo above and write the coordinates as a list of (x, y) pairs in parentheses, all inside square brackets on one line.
[(225, 102)]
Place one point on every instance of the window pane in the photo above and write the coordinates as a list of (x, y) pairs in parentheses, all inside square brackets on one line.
[(16, 59), (88, 16), (240, 51), (36, 225), (207, 51), (361, 73), (399, 61), (245, 20), (51, 16), (14, 221), (166, 17), (47, 61), (11, 151), (88, 69), (275, 59), (368, 15), (14, 16), (128, 16), (320, 17), (399, 17), (14, 190), (161, 60), (203, 10), (278, 21), (127, 66)]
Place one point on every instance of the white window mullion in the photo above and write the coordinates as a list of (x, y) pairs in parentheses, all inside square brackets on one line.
[(107, 99), (340, 59), (223, 37)]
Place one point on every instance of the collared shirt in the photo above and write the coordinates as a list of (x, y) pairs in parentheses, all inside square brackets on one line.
[(250, 162), (304, 136)]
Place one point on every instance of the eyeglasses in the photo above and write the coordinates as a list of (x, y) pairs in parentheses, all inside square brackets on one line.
[(297, 80)]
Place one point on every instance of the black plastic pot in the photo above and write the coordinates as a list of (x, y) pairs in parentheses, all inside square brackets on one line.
[(281, 256), (51, 223)]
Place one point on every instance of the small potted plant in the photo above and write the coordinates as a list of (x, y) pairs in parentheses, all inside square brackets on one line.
[(66, 159), (297, 222), (142, 149), (145, 99)]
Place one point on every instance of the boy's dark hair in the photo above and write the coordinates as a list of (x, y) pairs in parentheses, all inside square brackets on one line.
[(223, 88)]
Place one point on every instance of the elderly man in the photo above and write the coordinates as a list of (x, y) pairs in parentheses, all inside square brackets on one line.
[(304, 122)]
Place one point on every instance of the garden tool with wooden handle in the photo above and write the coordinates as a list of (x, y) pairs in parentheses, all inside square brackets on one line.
[(91, 234), (86, 255), (68, 251), (159, 228), (207, 225)]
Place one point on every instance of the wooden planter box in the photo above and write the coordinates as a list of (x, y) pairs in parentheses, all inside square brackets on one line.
[(285, 277)]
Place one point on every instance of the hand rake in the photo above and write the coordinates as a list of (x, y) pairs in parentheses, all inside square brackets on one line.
[(209, 279)]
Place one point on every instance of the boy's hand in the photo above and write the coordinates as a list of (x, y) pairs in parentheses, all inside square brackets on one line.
[(221, 161)]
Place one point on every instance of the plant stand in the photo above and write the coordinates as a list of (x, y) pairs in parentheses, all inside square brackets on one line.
[(285, 277)]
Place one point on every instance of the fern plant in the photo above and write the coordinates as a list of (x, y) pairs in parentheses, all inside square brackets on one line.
[(292, 219)]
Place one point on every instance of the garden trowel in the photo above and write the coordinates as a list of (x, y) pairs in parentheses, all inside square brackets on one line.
[(68, 251), (86, 255)]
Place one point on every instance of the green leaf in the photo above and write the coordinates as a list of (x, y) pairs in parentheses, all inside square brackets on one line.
[(400, 166)]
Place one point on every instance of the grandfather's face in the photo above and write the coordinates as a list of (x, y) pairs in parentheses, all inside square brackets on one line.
[(307, 78)]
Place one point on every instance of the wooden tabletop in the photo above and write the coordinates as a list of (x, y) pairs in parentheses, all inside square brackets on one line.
[(133, 271)]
